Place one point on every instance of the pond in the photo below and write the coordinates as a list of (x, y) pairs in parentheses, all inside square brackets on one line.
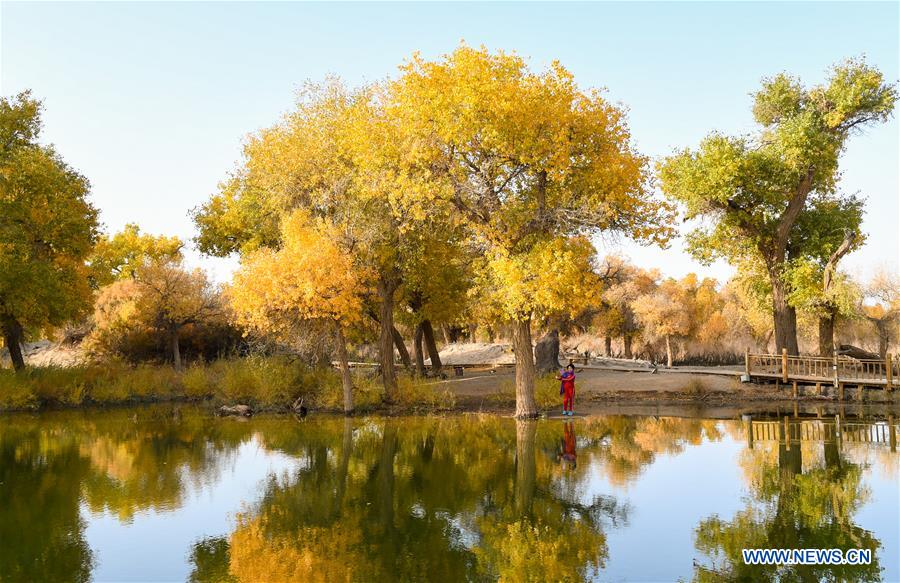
[(173, 494)]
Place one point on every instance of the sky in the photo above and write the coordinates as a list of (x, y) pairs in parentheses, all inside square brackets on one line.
[(152, 101)]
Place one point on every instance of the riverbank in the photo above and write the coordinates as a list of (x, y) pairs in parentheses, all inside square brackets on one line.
[(281, 385), (640, 391)]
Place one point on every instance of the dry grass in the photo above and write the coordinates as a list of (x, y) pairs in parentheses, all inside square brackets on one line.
[(546, 393), (263, 383)]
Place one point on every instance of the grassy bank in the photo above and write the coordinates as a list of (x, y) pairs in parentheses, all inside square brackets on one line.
[(272, 383)]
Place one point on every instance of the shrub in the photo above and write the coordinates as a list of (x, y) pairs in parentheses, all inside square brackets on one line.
[(420, 394), (546, 393), (696, 388), (197, 382), (14, 393)]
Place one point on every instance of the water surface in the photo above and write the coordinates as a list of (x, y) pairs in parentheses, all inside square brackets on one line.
[(172, 494)]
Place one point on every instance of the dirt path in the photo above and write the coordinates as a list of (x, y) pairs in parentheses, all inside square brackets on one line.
[(591, 381), (688, 391)]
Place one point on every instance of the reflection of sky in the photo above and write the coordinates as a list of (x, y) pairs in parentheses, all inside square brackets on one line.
[(881, 514), (671, 496), (667, 502), (156, 546)]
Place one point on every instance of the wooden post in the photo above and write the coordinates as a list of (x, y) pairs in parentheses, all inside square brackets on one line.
[(787, 433), (784, 365), (837, 380), (747, 363), (859, 392), (892, 433), (818, 389), (889, 372), (794, 389), (748, 428), (837, 430)]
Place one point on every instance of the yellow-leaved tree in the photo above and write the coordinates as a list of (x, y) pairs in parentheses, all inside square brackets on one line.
[(335, 156), (119, 256), (664, 314), (170, 297), (526, 160), (309, 278)]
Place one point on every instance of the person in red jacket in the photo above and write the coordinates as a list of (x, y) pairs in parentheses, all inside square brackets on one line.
[(567, 389)]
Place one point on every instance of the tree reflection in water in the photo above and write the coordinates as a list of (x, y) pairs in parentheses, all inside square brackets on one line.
[(467, 497), (791, 508)]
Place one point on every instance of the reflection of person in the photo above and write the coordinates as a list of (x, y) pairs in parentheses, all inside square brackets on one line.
[(568, 444), (567, 389)]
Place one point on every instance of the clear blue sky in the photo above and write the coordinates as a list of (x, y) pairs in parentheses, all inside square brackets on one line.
[(151, 101)]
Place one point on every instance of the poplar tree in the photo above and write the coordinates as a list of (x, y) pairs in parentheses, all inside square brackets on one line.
[(47, 230), (769, 197)]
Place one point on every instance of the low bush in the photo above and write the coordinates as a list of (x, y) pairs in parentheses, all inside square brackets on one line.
[(696, 388), (546, 393), (423, 395)]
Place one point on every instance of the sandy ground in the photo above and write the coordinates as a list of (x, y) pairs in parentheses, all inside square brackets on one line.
[(591, 382), (683, 391)]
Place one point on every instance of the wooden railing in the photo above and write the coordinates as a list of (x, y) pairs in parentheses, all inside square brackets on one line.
[(837, 370), (827, 430)]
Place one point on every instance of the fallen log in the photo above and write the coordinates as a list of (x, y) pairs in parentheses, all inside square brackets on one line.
[(236, 410), (856, 352)]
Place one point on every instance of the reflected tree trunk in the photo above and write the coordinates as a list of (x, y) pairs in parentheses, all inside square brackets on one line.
[(343, 466), (526, 468), (385, 477)]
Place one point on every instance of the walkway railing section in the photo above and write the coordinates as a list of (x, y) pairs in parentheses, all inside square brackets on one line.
[(837, 370), (827, 430)]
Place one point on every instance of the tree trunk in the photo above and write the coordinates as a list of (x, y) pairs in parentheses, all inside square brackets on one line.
[(826, 334), (546, 353), (526, 469), (785, 317), (386, 289), (174, 348), (417, 352), (884, 336), (626, 340), (445, 330), (668, 351), (607, 345), (13, 334), (346, 380), (526, 407), (431, 346), (401, 348)]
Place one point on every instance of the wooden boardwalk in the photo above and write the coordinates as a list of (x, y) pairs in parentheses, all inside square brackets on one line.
[(825, 430), (836, 371)]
